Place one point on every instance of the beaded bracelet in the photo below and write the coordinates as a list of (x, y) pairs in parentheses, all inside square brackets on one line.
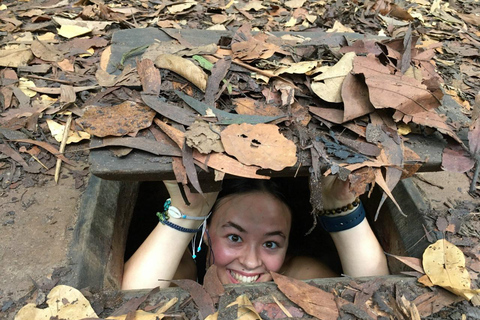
[(348, 207), (341, 223)]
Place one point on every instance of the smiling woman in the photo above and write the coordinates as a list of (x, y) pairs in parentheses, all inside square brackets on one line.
[(248, 235)]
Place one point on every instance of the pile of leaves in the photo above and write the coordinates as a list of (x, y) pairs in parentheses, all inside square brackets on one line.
[(253, 101)]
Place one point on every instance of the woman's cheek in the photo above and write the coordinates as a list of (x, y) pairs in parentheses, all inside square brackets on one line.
[(273, 262), (223, 254)]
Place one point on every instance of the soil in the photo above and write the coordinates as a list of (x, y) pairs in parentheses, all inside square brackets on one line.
[(36, 226)]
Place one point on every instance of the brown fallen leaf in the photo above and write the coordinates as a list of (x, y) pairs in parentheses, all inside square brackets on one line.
[(47, 147), (259, 144), (314, 301), (212, 284), (412, 262), (184, 68), (217, 161), (128, 77), (15, 57), (46, 51), (117, 120), (11, 153), (149, 77), (355, 98), (205, 137), (444, 263), (393, 91)]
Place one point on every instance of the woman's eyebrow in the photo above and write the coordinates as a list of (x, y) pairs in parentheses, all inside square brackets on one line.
[(230, 224), (276, 233)]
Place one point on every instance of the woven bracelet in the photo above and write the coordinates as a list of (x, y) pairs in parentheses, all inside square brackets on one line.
[(341, 223), (346, 208), (164, 220)]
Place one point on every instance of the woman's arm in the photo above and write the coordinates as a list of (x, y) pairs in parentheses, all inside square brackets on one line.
[(358, 248), (160, 254)]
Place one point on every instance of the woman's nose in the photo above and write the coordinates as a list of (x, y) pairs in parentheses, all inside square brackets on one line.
[(250, 258)]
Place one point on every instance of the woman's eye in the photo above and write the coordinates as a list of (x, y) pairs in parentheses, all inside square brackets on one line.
[(234, 238), (270, 245)]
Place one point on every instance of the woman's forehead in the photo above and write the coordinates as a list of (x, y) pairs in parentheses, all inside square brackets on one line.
[(256, 207)]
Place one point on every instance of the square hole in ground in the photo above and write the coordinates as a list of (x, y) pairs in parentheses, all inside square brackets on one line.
[(116, 217)]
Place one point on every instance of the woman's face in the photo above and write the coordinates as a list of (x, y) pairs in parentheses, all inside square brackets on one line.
[(249, 237)]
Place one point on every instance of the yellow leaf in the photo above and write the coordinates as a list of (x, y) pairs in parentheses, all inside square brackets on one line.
[(331, 88), (90, 51), (246, 311), (403, 129), (3, 7), (176, 8), (183, 67), (70, 31), (57, 132), (338, 27), (444, 264), (24, 84), (299, 67), (291, 22), (63, 302)]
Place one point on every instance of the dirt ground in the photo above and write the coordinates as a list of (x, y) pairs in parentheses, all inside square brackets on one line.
[(36, 227), (37, 223)]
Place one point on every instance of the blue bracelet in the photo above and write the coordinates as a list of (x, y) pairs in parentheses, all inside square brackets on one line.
[(164, 220), (341, 223)]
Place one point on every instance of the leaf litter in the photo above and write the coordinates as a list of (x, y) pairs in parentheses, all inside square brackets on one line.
[(268, 78)]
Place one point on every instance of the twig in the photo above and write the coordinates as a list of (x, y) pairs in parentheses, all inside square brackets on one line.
[(62, 146), (428, 182), (32, 76), (475, 177), (38, 160)]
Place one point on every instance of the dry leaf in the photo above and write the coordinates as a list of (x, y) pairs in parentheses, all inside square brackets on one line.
[(70, 31), (86, 24), (259, 144), (57, 132), (63, 302), (294, 3), (117, 120), (15, 57), (24, 84), (46, 51), (444, 263), (298, 68), (314, 301), (399, 92), (339, 27), (184, 68), (245, 310), (331, 88), (204, 137), (176, 8)]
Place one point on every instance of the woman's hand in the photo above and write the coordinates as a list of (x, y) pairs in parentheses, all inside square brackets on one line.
[(336, 193), (200, 205)]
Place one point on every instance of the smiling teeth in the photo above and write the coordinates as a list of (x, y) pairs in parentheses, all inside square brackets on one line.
[(244, 279)]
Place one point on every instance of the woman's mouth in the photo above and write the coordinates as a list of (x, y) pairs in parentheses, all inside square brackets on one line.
[(243, 279)]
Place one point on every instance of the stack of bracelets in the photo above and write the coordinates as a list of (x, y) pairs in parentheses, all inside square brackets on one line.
[(170, 211)]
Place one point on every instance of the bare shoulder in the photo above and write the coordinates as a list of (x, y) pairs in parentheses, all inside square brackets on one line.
[(303, 267)]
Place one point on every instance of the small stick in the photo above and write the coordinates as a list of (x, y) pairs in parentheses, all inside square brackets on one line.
[(62, 146), (475, 177)]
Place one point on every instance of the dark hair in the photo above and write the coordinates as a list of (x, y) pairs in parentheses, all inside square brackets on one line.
[(243, 186)]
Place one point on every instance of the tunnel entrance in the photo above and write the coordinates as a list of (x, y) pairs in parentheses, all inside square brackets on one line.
[(116, 216)]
